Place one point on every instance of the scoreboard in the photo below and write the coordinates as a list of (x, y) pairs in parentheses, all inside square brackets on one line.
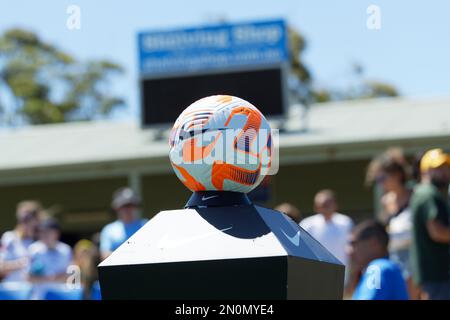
[(179, 66)]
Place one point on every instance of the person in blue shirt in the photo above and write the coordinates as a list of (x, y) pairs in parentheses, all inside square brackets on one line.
[(127, 206), (379, 277), (50, 259)]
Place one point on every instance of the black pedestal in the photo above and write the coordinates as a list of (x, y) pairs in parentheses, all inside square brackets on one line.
[(221, 247)]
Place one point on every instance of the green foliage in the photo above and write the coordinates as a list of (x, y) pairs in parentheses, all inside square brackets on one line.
[(297, 45), (309, 94), (47, 85), (321, 96), (366, 89), (301, 89), (380, 89)]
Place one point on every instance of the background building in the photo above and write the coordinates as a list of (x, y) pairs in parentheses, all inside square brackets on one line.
[(74, 168)]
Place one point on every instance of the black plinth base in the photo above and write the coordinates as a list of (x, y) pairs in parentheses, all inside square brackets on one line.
[(236, 251)]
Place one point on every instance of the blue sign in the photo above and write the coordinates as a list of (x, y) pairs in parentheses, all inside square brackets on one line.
[(213, 48)]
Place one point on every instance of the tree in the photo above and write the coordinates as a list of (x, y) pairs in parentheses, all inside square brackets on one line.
[(299, 77), (303, 84), (43, 84), (297, 46), (374, 89)]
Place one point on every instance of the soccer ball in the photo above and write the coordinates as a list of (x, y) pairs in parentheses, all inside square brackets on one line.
[(221, 143)]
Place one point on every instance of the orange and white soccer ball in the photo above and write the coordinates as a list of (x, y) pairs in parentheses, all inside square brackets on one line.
[(221, 143)]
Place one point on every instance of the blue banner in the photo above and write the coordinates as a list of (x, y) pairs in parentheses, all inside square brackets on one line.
[(217, 47)]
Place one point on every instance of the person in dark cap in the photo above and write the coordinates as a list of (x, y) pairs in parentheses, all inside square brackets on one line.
[(126, 204)]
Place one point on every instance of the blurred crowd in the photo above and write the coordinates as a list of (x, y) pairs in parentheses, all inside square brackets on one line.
[(400, 253), (35, 264), (403, 251)]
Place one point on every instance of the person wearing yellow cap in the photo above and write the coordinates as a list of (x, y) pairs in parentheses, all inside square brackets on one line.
[(430, 210), (434, 159)]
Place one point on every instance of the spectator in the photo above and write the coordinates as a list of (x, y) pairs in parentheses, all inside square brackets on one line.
[(416, 166), (126, 204), (380, 278), (390, 172), (14, 259), (329, 227), (290, 210), (50, 258), (431, 233), (86, 257)]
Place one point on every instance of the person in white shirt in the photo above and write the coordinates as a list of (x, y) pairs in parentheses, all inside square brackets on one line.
[(330, 228), (50, 258), (14, 258)]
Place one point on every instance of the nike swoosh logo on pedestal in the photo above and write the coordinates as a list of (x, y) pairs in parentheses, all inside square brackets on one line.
[(210, 197), (295, 239)]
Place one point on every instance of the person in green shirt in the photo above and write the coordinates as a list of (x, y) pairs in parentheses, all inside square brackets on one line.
[(430, 254)]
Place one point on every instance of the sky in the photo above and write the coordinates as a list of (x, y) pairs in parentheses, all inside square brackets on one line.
[(411, 49)]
